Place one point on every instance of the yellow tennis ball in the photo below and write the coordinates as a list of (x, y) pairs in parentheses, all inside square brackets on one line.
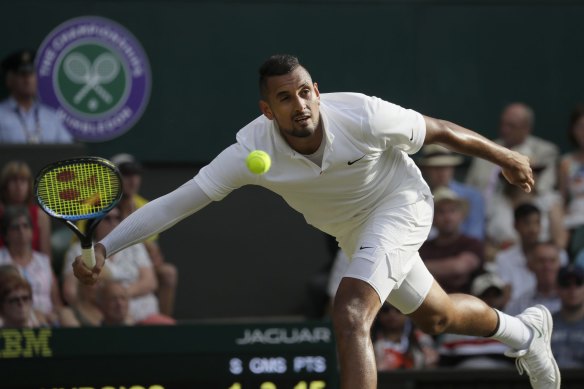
[(258, 162)]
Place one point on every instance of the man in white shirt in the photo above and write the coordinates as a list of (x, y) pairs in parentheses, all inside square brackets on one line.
[(341, 159), (516, 127)]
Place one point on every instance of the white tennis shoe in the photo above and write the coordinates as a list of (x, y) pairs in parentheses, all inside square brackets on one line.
[(537, 360)]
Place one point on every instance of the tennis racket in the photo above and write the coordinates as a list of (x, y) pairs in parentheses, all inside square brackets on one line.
[(81, 188)]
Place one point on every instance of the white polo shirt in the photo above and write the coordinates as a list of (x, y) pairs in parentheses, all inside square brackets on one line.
[(365, 165)]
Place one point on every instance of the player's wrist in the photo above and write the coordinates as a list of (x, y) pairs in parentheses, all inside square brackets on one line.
[(100, 248)]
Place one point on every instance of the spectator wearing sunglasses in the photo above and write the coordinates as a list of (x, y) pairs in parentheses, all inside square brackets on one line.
[(16, 307), (568, 336)]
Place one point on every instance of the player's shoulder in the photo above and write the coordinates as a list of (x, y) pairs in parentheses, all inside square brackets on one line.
[(344, 99), (258, 134)]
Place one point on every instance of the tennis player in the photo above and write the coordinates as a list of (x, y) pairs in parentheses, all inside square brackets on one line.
[(341, 159)]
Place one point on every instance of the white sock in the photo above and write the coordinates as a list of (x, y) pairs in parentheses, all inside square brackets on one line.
[(513, 332)]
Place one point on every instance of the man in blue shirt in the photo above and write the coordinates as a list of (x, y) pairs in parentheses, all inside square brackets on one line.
[(568, 335), (23, 119), (437, 164)]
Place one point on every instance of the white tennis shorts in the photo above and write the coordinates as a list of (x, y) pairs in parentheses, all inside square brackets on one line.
[(386, 255)]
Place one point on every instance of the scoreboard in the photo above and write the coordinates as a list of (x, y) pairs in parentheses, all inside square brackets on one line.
[(254, 355)]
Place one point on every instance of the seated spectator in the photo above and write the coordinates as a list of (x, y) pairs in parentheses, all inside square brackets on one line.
[(453, 258), (515, 132), (166, 273), (544, 261), (16, 186), (113, 302), (16, 303), (84, 311), (398, 345), (511, 264), (477, 352), (571, 175), (131, 266), (23, 119), (568, 335), (500, 232), (437, 164), (35, 267)]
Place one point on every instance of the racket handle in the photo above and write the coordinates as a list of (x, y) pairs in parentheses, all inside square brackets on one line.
[(88, 256)]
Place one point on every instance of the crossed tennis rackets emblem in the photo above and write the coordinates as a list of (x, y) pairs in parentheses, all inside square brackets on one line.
[(104, 69)]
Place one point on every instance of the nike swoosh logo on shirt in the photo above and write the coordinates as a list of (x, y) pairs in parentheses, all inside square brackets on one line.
[(357, 160), (412, 137)]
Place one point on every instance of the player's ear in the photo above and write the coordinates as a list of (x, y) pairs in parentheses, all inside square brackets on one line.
[(316, 92), (265, 108)]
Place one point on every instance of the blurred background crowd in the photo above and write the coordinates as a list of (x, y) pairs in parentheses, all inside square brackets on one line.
[(510, 248)]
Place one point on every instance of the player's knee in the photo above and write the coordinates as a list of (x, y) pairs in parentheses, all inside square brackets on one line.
[(350, 322), (435, 324)]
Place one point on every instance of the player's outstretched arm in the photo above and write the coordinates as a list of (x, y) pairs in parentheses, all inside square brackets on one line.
[(514, 166), (154, 217)]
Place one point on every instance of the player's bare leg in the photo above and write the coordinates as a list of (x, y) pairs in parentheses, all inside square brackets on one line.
[(455, 313), (468, 315), (355, 306)]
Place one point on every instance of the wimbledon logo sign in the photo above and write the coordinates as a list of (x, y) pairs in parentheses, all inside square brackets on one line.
[(96, 75)]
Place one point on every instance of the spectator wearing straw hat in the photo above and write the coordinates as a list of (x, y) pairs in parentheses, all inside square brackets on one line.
[(438, 166)]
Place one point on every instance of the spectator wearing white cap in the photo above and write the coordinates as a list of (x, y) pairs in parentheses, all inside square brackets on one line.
[(438, 166)]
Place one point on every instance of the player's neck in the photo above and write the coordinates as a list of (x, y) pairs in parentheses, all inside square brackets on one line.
[(307, 145)]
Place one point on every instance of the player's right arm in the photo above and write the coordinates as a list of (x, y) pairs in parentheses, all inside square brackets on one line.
[(224, 174), (154, 217)]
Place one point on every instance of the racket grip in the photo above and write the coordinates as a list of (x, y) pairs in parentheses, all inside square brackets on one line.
[(88, 257)]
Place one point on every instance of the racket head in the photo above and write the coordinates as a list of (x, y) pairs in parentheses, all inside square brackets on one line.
[(79, 188)]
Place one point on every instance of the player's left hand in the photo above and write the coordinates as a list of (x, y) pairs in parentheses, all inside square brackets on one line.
[(518, 171)]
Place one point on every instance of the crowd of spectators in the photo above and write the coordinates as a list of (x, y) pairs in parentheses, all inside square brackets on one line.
[(510, 248), (37, 287)]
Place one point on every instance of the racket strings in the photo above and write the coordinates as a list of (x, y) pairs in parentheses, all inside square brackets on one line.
[(78, 190)]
